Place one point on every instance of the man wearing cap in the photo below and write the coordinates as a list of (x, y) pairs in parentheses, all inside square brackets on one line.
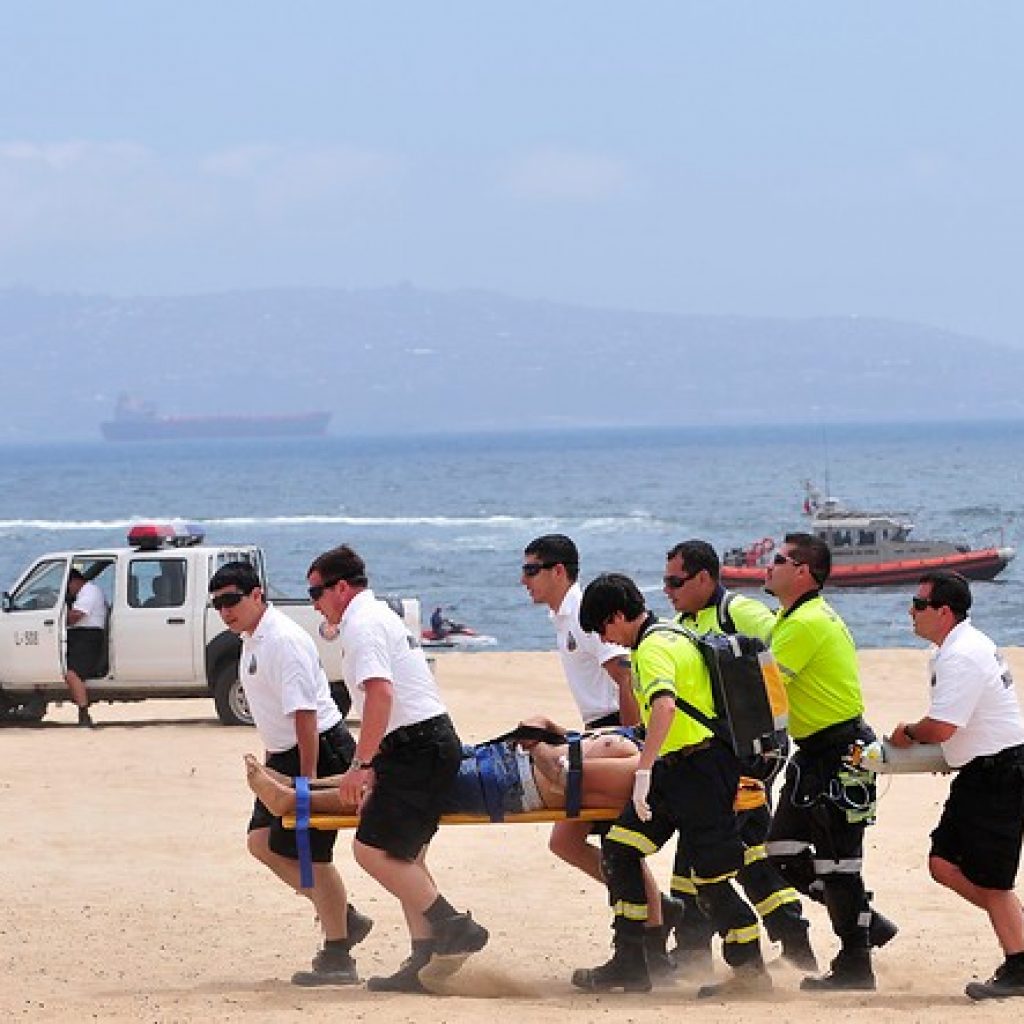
[(975, 716)]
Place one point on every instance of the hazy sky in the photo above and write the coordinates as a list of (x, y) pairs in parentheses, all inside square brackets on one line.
[(790, 158)]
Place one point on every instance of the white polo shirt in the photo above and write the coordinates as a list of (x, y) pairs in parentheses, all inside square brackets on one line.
[(281, 673), (375, 644), (91, 602), (972, 689), (583, 656)]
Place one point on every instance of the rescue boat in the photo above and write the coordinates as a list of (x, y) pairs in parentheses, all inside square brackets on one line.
[(869, 549)]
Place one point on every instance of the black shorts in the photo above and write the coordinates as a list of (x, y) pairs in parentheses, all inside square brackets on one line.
[(982, 821), (85, 651), (336, 749), (413, 772)]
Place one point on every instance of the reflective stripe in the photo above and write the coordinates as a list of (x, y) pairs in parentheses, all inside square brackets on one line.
[(838, 867), (713, 881), (684, 885), (754, 853), (786, 847), (740, 935), (630, 911), (776, 900), (627, 837), (864, 918)]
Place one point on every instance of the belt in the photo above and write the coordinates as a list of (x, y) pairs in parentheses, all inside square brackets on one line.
[(1004, 759), (840, 734), (692, 748), (405, 734)]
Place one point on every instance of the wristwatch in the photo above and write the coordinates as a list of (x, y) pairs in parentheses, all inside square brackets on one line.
[(358, 764)]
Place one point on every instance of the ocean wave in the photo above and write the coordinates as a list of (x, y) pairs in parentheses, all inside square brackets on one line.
[(502, 521)]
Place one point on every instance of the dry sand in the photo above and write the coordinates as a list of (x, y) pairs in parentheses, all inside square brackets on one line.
[(128, 895)]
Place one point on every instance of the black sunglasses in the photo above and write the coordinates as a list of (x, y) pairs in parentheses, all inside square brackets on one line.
[(316, 591), (227, 600), (536, 568), (674, 582), (781, 559), (920, 603)]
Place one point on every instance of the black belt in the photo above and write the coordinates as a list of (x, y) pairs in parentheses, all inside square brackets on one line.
[(687, 751), (839, 735), (1007, 758), (427, 729)]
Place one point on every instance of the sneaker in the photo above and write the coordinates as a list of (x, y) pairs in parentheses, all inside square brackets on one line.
[(357, 925), (85, 719), (405, 979), (747, 980), (797, 952), (1006, 982), (627, 970), (459, 935), (851, 972), (330, 967), (881, 930)]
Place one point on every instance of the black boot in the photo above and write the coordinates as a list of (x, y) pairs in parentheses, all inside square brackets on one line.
[(407, 977), (692, 953), (332, 965), (797, 951), (357, 925), (745, 980), (627, 970), (1006, 982), (851, 972), (660, 964), (881, 930)]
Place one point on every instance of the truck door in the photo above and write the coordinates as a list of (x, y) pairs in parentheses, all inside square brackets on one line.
[(154, 627), (33, 626)]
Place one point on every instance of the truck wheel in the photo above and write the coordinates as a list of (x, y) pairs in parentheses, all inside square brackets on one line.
[(229, 697)]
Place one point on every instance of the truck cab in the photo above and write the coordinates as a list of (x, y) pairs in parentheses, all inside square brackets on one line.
[(162, 638)]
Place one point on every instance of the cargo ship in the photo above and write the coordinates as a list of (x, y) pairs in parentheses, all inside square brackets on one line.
[(136, 420)]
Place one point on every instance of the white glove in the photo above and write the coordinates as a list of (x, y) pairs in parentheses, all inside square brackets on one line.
[(641, 787)]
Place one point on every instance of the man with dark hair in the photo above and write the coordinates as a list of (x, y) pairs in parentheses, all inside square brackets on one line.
[(407, 756), (685, 782), (86, 632), (304, 735), (692, 585), (817, 833), (599, 680), (975, 716)]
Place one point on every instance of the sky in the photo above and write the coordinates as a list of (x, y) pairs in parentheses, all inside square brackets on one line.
[(792, 159)]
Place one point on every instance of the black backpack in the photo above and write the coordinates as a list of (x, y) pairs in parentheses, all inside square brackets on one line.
[(751, 707)]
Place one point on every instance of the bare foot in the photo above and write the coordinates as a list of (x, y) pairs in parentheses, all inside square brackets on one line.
[(278, 798)]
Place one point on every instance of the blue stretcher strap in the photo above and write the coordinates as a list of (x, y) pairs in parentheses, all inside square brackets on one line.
[(493, 801), (302, 807), (574, 777)]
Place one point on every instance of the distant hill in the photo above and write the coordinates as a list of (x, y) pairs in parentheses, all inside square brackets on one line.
[(400, 359)]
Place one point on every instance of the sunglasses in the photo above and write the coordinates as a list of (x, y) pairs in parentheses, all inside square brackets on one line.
[(781, 559), (227, 600), (536, 568), (920, 603), (316, 591), (674, 582)]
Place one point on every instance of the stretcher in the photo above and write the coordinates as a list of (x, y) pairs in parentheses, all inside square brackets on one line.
[(342, 821)]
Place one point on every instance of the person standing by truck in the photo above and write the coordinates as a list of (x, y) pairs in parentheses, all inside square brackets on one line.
[(304, 734), (87, 624)]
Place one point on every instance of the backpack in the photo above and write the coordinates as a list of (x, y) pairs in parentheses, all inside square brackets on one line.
[(751, 708)]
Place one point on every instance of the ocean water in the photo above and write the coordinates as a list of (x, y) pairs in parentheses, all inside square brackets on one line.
[(445, 519)]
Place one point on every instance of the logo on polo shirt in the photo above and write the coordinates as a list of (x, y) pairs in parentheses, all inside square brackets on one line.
[(252, 665), (570, 642)]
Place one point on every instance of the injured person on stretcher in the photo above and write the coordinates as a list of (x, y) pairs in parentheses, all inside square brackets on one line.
[(524, 780)]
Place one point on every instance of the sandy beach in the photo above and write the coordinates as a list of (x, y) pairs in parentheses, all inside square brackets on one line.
[(128, 894)]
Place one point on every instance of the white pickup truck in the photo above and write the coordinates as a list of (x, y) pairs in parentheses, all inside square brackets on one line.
[(163, 638)]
